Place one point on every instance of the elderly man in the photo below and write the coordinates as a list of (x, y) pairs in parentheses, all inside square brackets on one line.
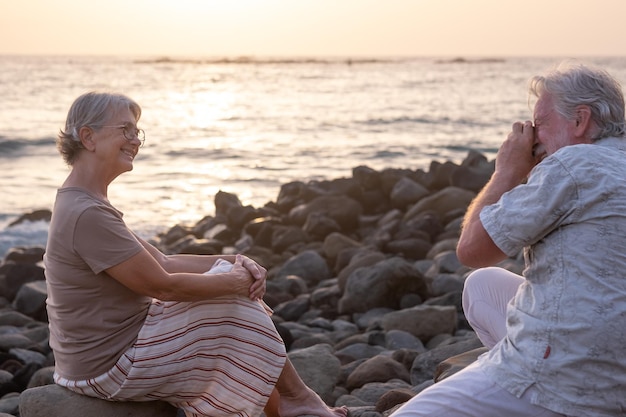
[(556, 334)]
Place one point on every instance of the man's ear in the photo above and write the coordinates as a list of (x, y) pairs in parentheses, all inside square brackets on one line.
[(584, 124), (85, 134)]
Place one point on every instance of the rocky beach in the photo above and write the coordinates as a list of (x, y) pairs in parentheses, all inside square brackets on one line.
[(362, 277)]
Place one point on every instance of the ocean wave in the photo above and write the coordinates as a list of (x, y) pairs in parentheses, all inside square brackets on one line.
[(387, 154), (396, 120), (193, 153), (472, 147), (24, 234), (403, 120), (9, 146)]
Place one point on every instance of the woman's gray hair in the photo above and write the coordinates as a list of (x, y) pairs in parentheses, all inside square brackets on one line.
[(571, 85), (91, 109)]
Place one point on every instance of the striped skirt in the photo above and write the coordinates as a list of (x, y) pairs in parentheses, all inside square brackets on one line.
[(218, 357)]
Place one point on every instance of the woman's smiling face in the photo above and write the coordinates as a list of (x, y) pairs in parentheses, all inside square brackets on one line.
[(115, 148)]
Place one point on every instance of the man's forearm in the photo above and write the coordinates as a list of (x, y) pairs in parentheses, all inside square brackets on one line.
[(475, 247)]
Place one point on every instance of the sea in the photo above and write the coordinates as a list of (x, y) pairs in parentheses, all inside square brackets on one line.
[(247, 125)]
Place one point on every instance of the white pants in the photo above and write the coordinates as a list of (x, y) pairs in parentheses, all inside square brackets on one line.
[(470, 392), (486, 294)]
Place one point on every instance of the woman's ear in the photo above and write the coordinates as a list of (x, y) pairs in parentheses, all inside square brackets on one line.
[(85, 134)]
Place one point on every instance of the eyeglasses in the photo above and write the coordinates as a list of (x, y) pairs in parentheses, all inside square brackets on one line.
[(131, 132)]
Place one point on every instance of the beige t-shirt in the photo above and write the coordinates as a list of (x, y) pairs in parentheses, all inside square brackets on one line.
[(93, 318)]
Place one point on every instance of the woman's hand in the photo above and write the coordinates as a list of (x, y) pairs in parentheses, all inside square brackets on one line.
[(258, 273)]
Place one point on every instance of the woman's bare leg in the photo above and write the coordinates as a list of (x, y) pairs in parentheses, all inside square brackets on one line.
[(292, 398), (271, 408)]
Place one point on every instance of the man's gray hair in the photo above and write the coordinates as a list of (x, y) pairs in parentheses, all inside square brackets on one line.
[(571, 85)]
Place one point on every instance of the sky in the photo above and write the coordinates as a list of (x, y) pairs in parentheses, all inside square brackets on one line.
[(314, 27)]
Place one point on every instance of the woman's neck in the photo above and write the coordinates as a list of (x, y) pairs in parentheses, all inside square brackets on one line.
[(86, 179)]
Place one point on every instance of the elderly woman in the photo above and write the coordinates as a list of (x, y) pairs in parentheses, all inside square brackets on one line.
[(128, 323)]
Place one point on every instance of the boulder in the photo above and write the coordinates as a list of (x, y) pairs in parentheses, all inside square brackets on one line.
[(380, 368), (14, 275), (56, 401), (335, 243), (31, 300), (456, 363), (344, 210), (424, 365), (442, 202), (381, 285), (308, 265), (319, 225), (33, 216), (30, 255), (423, 322), (406, 192), (361, 258), (318, 367)]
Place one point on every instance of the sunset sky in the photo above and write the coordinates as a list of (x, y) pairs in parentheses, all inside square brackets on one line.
[(314, 27)]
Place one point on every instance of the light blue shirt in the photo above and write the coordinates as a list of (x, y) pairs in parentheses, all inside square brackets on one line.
[(566, 326)]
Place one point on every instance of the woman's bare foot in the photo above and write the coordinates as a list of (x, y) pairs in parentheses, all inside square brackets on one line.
[(307, 403), (293, 398)]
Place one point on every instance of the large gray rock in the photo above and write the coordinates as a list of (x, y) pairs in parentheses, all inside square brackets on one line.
[(56, 401), (318, 367), (14, 340), (474, 172), (308, 265), (28, 255), (380, 368), (43, 376), (422, 321), (425, 365), (372, 392), (442, 202), (31, 300), (287, 237), (318, 226), (406, 192), (456, 363), (334, 243), (362, 258), (292, 310), (344, 210), (381, 285), (400, 339), (357, 351), (14, 275)]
